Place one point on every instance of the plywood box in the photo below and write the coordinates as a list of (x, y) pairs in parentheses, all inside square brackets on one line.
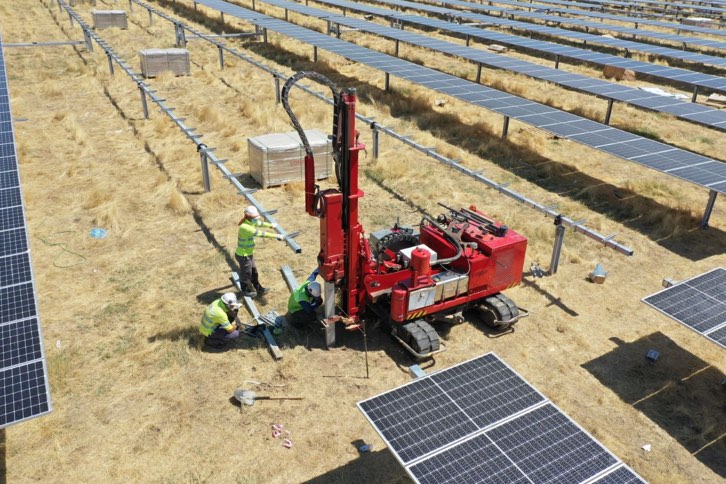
[(156, 61), (278, 158), (103, 19)]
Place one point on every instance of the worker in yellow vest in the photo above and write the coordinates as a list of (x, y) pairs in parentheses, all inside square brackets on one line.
[(249, 228), (304, 302), (219, 322)]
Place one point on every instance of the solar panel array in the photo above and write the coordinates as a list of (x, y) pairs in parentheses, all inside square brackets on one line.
[(666, 5), (666, 52), (24, 391), (619, 18), (676, 162), (479, 421), (544, 16), (672, 74), (687, 111), (698, 303)]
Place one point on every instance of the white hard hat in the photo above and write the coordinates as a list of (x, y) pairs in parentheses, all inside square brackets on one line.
[(251, 211), (230, 300), (314, 289)]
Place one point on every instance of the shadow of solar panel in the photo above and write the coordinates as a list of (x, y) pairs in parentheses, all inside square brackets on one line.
[(17, 302), (15, 269), (474, 460), (19, 342), (24, 393), (548, 447), (621, 475), (13, 242), (417, 418), (10, 197)]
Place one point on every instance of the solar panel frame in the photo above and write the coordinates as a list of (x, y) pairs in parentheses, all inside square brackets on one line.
[(495, 452), (681, 302), (24, 387)]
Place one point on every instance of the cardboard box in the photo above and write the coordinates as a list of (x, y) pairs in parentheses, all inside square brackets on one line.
[(103, 19), (278, 158), (156, 61)]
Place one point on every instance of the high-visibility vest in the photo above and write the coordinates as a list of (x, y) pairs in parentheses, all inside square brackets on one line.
[(246, 236), (214, 316), (299, 294)]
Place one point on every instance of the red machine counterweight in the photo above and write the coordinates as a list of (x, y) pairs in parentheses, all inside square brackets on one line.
[(408, 279)]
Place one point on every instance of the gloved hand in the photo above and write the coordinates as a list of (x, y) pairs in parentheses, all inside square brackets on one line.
[(279, 237)]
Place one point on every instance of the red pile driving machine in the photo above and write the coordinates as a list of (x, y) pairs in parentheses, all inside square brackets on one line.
[(406, 278)]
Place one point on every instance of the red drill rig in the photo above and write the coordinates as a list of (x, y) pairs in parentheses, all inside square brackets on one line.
[(406, 278)]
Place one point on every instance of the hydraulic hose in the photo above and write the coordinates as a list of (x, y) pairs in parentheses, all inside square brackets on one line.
[(459, 248), (286, 103)]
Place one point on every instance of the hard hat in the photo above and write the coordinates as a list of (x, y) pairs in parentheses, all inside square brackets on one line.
[(252, 212), (230, 300), (314, 289)]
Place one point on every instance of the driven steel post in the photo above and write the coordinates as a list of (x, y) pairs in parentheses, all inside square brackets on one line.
[(557, 248), (709, 208), (375, 139), (205, 167), (144, 105), (609, 111)]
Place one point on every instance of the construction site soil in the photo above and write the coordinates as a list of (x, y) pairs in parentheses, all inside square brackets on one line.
[(134, 397)]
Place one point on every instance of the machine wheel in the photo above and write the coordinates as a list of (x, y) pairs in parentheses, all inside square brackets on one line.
[(395, 242), (499, 312), (421, 337)]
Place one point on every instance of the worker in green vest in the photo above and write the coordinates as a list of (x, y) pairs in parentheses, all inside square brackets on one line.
[(249, 228), (219, 322), (304, 302)]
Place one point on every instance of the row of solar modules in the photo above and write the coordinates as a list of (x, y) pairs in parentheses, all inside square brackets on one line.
[(698, 304), (641, 33), (620, 18), (479, 421), (652, 3), (691, 112), (671, 74), (24, 391), (676, 162), (661, 51)]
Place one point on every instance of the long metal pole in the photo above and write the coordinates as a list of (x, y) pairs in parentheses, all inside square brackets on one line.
[(557, 248), (221, 57), (374, 134), (144, 105), (709, 208), (278, 99), (205, 168), (609, 111), (505, 127)]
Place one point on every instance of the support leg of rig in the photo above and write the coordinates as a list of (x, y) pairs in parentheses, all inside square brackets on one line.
[(329, 298)]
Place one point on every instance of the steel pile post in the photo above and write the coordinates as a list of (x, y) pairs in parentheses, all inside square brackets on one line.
[(557, 248)]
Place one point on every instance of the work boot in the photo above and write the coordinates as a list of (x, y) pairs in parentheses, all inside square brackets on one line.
[(260, 290), (249, 291)]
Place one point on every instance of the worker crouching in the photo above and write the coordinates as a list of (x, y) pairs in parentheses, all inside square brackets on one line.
[(219, 322), (304, 302), (249, 228)]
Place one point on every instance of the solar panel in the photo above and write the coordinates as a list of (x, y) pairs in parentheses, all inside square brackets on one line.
[(711, 82), (633, 32), (621, 17), (696, 113), (698, 303), (24, 390), (506, 431)]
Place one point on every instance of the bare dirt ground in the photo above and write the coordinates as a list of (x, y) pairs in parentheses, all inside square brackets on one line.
[(134, 398)]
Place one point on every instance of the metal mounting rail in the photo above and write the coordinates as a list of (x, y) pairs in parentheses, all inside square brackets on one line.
[(45, 44), (547, 210), (206, 153)]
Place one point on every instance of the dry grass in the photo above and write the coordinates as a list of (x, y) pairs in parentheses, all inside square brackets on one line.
[(135, 399)]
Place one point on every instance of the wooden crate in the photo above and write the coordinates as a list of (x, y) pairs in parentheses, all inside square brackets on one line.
[(103, 19), (156, 61), (277, 158)]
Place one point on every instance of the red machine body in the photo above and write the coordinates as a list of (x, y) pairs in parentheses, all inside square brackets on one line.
[(457, 261)]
